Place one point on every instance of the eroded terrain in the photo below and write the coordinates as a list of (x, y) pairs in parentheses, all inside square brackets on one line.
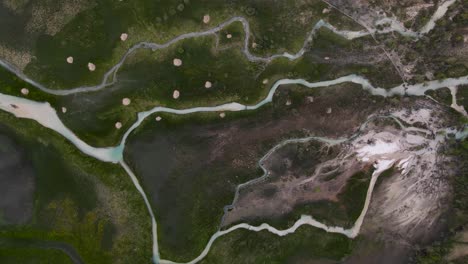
[(237, 132)]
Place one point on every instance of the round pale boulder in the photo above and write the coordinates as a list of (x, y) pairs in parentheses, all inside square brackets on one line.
[(208, 84), (91, 66), (118, 125), (64, 110), (265, 81), (222, 115), (177, 62), (158, 118), (228, 36), (123, 36), (175, 94), (25, 91), (126, 101), (206, 19), (70, 59)]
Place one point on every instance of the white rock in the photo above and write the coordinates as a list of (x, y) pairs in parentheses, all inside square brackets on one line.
[(265, 81), (70, 59), (325, 11), (25, 91), (288, 102), (228, 36), (126, 101), (91, 66), (254, 45), (177, 62), (64, 110), (176, 94), (208, 84), (206, 19), (310, 99), (222, 115), (158, 118), (327, 58), (118, 125), (329, 110), (123, 36)]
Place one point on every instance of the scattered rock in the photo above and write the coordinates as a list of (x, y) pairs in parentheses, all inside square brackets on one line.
[(25, 91), (175, 94), (123, 36), (158, 118), (228, 36), (70, 59), (325, 11), (429, 75), (118, 125), (177, 62), (206, 19), (91, 66), (208, 84), (310, 99), (126, 101), (222, 115), (265, 81), (64, 110), (254, 45), (329, 110), (288, 102), (327, 58)]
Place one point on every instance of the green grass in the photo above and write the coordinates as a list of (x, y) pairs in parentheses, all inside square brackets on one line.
[(237, 33), (354, 194), (90, 37), (462, 96), (204, 229), (68, 181), (154, 76), (384, 176), (149, 78), (68, 205), (181, 149), (159, 21), (189, 204), (65, 204), (33, 256), (306, 244), (55, 179), (342, 213), (201, 207)]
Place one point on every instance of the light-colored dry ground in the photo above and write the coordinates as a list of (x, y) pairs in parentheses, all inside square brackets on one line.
[(408, 204), (50, 17)]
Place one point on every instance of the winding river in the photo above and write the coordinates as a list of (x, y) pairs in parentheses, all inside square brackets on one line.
[(110, 77), (45, 115)]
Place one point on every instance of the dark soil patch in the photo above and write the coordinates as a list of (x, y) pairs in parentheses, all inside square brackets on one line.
[(17, 183), (190, 165)]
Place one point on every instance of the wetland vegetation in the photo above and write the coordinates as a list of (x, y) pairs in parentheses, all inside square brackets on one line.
[(73, 203), (78, 209)]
